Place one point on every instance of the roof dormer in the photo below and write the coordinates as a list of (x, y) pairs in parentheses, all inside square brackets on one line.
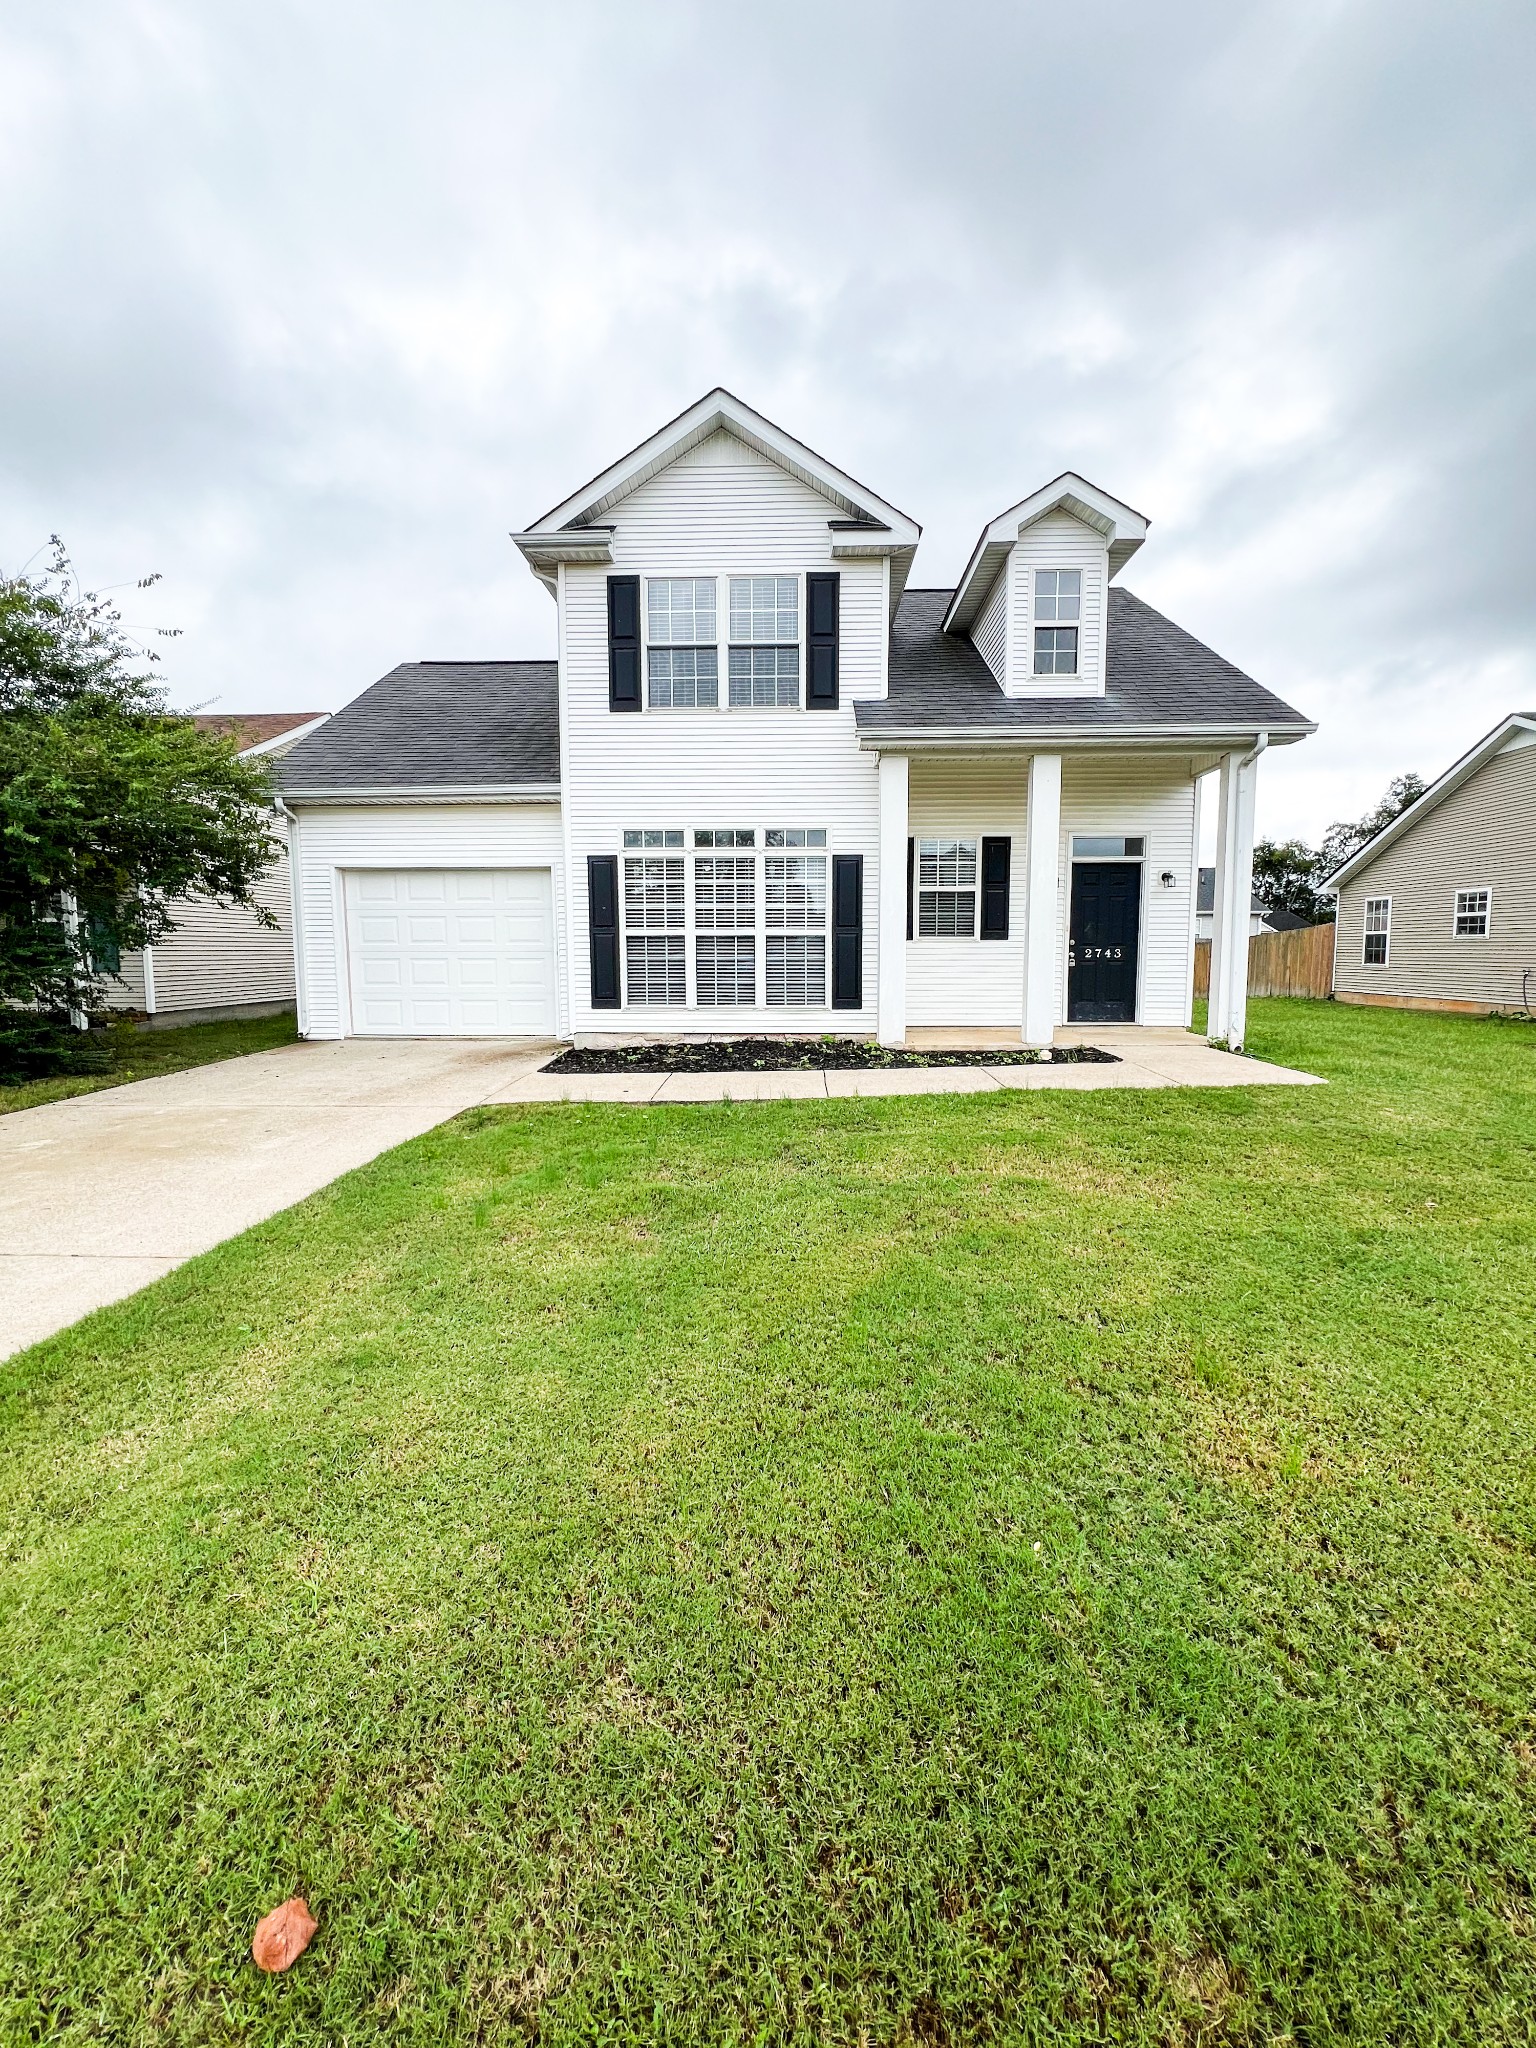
[(1034, 596)]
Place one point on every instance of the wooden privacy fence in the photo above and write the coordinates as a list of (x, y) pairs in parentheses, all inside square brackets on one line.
[(1279, 963)]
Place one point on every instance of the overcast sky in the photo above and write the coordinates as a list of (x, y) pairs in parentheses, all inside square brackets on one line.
[(306, 305)]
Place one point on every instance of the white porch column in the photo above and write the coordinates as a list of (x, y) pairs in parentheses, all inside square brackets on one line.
[(1042, 897), (1228, 1014), (893, 899)]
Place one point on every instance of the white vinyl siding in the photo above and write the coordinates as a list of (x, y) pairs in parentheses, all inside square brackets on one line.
[(990, 632), (1058, 541), (982, 981), (722, 510), (334, 840), (1481, 836), (219, 956)]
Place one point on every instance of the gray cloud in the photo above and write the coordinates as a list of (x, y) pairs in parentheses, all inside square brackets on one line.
[(306, 308)]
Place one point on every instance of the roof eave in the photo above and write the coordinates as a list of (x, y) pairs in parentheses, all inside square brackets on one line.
[(1031, 739), (425, 793)]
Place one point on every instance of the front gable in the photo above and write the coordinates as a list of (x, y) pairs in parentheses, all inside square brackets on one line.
[(720, 432)]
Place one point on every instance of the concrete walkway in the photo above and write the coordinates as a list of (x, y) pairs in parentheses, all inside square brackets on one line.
[(1144, 1059), (103, 1193)]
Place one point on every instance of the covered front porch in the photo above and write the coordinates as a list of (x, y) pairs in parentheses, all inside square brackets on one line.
[(1028, 897)]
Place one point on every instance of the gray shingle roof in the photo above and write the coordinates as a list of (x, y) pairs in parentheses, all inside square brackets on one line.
[(1158, 675), (437, 724)]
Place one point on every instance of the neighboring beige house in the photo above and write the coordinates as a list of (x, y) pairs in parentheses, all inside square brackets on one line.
[(1438, 912), (219, 962)]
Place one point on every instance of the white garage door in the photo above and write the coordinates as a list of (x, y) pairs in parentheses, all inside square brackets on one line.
[(451, 951)]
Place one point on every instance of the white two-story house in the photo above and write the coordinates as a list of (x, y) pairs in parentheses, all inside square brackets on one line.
[(768, 785)]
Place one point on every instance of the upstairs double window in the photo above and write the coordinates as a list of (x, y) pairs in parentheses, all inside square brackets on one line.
[(1058, 610), (762, 648)]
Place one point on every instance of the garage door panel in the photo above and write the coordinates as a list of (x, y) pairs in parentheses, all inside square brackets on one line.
[(465, 951)]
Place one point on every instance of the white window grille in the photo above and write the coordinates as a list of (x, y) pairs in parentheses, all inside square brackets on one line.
[(946, 888), (764, 659), (682, 659), (765, 610), (724, 893), (795, 836), (736, 838), (797, 972), (653, 894), (1058, 596), (1058, 606), (1472, 913), (765, 675), (657, 969), (725, 971), (650, 838), (680, 611), (1378, 929), (795, 891), (683, 678)]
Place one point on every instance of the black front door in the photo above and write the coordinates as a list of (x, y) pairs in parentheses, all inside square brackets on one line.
[(1106, 923)]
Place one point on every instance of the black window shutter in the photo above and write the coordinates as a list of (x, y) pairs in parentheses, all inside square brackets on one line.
[(623, 643), (847, 931), (995, 860), (821, 606), (603, 928), (911, 866)]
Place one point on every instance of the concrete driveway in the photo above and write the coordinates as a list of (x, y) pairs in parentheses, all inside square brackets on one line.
[(104, 1193)]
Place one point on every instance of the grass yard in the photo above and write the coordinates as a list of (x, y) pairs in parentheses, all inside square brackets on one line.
[(139, 1055), (1046, 1568)]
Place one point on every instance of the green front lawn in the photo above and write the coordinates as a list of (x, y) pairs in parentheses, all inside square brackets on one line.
[(1040, 1568), (139, 1055)]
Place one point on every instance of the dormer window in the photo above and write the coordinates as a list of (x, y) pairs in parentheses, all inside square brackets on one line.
[(765, 641), (683, 658), (1058, 607)]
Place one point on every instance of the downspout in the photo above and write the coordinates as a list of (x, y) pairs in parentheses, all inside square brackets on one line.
[(295, 893)]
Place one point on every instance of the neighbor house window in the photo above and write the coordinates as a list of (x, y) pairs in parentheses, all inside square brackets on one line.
[(1472, 913), (682, 658), (1378, 929), (1058, 607), (764, 653), (946, 888)]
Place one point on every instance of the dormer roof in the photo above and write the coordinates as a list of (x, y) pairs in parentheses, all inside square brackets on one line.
[(862, 524), (1122, 527)]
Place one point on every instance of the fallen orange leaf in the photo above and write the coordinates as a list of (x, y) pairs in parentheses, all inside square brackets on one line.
[(283, 1936)]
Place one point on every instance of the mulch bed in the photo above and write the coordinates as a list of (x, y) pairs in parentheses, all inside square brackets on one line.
[(775, 1055)]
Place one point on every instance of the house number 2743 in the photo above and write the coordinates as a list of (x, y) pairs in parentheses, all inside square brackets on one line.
[(1103, 953)]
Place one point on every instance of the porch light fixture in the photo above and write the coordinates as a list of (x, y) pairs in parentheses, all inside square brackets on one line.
[(1169, 879)]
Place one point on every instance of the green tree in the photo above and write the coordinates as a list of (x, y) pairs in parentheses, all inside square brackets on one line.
[(112, 807), (1342, 841), (1285, 877)]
